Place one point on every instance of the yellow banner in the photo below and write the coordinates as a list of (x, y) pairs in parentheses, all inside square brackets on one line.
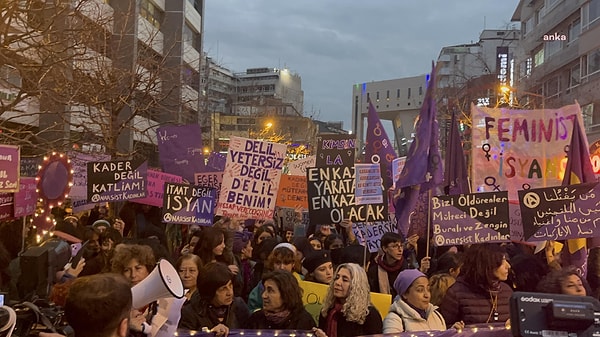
[(314, 294)]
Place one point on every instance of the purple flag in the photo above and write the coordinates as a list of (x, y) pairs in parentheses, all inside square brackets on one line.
[(216, 161), (579, 170), (423, 169), (180, 150), (456, 180), (378, 146)]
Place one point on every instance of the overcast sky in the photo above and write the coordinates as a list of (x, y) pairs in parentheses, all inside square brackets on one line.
[(333, 44)]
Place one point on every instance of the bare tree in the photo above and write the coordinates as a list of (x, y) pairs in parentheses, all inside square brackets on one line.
[(98, 75)]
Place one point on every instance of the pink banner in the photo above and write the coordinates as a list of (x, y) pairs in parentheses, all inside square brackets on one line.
[(26, 198), (156, 186), (251, 179), (519, 149), (9, 168)]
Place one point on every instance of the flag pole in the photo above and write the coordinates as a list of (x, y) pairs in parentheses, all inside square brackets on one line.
[(428, 224)]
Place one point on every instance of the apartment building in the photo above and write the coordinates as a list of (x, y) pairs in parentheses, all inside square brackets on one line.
[(127, 67), (559, 57)]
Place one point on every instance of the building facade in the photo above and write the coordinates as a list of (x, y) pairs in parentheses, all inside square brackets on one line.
[(559, 57), (125, 68), (397, 100)]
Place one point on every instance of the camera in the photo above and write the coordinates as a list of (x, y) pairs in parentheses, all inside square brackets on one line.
[(31, 319)]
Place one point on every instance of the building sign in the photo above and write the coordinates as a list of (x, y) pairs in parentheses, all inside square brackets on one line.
[(502, 64)]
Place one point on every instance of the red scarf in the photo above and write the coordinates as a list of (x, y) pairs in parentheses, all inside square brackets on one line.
[(332, 320), (380, 260)]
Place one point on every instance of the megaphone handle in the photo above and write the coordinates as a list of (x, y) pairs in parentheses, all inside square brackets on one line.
[(146, 328)]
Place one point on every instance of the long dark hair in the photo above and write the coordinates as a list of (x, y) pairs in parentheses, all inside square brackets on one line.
[(480, 262), (210, 238)]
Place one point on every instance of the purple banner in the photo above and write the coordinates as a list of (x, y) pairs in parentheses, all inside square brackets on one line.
[(180, 150), (156, 187), (188, 204), (560, 212), (470, 218), (79, 163), (9, 168), (7, 202), (25, 200), (116, 180)]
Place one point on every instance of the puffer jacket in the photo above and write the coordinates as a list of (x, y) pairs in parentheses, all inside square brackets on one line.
[(402, 317), (472, 304)]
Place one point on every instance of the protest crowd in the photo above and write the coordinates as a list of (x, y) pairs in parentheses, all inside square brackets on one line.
[(335, 248)]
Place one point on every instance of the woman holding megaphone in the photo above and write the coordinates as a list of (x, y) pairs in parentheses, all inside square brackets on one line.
[(153, 300)]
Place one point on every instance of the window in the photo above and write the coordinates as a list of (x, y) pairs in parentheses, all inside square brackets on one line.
[(538, 15), (191, 36), (398, 93), (377, 94), (550, 4), (387, 95), (151, 12), (574, 76), (593, 62), (408, 93), (591, 13), (539, 57), (552, 86), (420, 91), (574, 30), (528, 25), (552, 47)]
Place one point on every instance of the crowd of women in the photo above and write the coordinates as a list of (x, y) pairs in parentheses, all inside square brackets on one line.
[(246, 275)]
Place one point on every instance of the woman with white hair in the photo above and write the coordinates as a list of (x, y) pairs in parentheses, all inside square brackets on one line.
[(347, 310)]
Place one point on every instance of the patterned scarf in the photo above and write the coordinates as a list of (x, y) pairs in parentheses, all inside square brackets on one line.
[(276, 318)]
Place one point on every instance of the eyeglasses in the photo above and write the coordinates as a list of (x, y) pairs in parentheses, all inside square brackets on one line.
[(394, 246)]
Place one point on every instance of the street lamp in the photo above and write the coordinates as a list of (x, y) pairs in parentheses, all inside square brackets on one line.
[(506, 90)]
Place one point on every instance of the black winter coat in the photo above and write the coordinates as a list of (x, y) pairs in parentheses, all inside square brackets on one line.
[(472, 304), (195, 314), (298, 320), (373, 324)]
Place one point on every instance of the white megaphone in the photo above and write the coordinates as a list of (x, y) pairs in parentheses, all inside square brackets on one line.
[(162, 282)]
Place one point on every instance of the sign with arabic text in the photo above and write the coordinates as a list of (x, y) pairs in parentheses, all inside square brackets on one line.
[(561, 212)]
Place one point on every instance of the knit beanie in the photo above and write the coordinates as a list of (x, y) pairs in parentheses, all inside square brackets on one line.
[(405, 279)]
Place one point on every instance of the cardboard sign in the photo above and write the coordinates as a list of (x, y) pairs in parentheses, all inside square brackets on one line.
[(9, 168), (212, 179), (298, 167), (336, 150), (156, 187), (331, 197), (79, 163), (561, 212), (25, 200), (369, 234), (470, 218), (516, 148), (292, 192), (116, 180), (251, 179), (30, 166), (7, 202), (369, 189), (188, 204)]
